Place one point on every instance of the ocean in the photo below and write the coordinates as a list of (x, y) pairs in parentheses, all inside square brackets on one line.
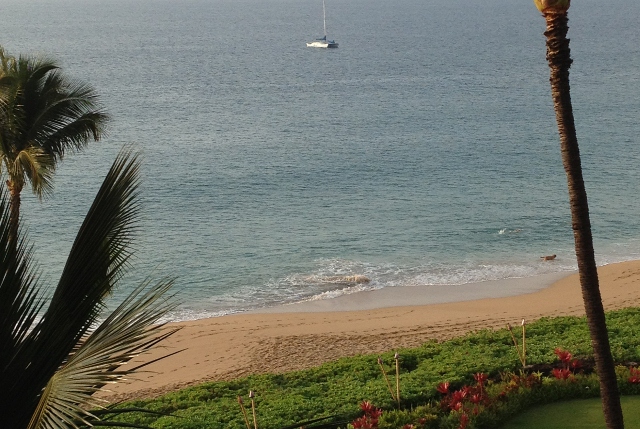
[(422, 151)]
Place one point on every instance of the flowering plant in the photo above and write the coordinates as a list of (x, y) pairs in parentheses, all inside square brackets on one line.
[(370, 418), (569, 365)]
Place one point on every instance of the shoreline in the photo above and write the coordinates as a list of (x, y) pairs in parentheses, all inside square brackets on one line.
[(403, 296), (237, 345)]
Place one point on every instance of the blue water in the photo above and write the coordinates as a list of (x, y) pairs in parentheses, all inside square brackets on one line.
[(423, 151)]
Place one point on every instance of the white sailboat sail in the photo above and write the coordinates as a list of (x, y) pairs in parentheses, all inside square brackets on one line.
[(323, 42)]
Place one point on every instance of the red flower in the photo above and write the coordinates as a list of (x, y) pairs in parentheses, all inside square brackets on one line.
[(561, 373), (359, 423), (464, 420), (407, 426), (458, 395), (375, 413), (367, 407), (480, 378), (457, 406), (576, 364), (563, 355), (443, 388), (476, 398), (635, 376), (370, 418)]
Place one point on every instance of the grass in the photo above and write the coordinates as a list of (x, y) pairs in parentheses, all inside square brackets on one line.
[(337, 388), (578, 414)]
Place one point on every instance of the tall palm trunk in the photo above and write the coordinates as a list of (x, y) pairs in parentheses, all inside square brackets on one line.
[(14, 213), (558, 56)]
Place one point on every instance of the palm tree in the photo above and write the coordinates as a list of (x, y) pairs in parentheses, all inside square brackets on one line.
[(54, 357), (43, 115), (559, 58)]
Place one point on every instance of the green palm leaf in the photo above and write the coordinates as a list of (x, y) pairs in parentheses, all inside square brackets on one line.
[(95, 264), (51, 358), (43, 114), (63, 120), (35, 165), (19, 299), (130, 330)]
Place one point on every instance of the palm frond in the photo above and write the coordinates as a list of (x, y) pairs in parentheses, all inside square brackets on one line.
[(33, 163), (30, 74), (128, 331), (70, 118), (95, 264), (41, 108), (105, 415), (20, 302), (5, 59)]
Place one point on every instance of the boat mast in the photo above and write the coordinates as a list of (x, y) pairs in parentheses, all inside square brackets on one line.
[(324, 20)]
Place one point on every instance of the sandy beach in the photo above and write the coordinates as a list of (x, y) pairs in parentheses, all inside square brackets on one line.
[(303, 335)]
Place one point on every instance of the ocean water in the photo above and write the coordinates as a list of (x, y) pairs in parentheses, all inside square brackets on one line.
[(423, 150)]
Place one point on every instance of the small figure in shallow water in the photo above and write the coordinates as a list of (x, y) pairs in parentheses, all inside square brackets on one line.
[(548, 257)]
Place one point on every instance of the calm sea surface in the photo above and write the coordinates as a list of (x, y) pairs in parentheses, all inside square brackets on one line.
[(423, 151)]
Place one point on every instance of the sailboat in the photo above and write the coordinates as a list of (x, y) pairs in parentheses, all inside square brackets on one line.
[(323, 42)]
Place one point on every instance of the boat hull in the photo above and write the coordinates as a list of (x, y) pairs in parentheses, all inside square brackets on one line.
[(322, 44)]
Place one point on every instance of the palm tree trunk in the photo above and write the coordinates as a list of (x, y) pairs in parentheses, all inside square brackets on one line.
[(559, 58), (14, 213)]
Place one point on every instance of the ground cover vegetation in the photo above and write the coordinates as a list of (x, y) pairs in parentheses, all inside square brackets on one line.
[(483, 366)]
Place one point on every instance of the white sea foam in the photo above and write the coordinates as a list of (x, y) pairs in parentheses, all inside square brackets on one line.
[(311, 287)]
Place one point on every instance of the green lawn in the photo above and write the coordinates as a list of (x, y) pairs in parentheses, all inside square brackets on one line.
[(583, 414)]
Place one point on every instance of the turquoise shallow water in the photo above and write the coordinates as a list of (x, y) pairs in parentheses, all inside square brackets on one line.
[(422, 151)]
